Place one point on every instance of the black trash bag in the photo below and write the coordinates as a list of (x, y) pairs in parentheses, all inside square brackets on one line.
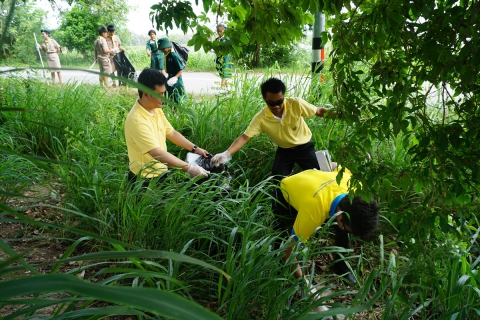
[(222, 174), (181, 51), (124, 66)]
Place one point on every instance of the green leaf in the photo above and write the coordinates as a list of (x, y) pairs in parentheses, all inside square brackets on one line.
[(144, 254), (159, 302), (381, 35)]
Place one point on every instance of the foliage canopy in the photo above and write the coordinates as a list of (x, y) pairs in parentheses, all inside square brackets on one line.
[(391, 61), (23, 20), (249, 23), (411, 70), (79, 27)]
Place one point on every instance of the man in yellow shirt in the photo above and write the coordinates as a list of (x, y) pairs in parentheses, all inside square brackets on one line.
[(311, 197), (283, 120), (146, 131)]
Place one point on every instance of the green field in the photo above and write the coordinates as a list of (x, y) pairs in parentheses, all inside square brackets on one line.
[(185, 251)]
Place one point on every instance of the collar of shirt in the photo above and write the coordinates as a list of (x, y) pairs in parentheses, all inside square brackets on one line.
[(145, 113)]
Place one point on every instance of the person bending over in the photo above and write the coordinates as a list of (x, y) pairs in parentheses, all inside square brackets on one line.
[(311, 197), (282, 119)]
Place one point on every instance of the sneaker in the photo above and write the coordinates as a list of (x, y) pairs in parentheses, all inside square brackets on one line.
[(341, 269)]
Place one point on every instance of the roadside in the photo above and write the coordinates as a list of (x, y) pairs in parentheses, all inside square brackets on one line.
[(195, 82)]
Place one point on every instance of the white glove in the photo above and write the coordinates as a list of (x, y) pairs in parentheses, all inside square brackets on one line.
[(171, 82), (37, 45), (221, 158), (195, 171), (312, 291), (115, 50)]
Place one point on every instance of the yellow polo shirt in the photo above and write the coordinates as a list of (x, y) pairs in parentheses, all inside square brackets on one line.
[(145, 131), (288, 132), (311, 193)]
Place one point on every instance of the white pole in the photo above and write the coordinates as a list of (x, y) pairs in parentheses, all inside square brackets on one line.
[(35, 36), (94, 61)]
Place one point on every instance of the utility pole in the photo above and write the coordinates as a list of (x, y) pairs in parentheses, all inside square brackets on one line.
[(318, 50)]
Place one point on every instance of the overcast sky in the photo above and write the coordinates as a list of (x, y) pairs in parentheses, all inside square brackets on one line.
[(138, 18)]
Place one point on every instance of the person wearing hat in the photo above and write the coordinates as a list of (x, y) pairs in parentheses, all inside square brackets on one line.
[(102, 55), (174, 68), (52, 48), (156, 56), (223, 64), (113, 42)]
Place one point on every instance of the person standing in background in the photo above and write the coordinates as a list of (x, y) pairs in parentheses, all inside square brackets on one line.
[(52, 48), (174, 68), (113, 42), (102, 55), (223, 64), (156, 56)]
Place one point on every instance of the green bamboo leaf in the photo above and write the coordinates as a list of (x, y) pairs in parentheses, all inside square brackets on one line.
[(159, 302), (16, 257), (144, 254), (105, 311), (34, 305)]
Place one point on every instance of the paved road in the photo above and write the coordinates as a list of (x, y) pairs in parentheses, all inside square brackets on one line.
[(195, 82)]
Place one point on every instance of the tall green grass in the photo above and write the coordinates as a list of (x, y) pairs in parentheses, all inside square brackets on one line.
[(71, 137)]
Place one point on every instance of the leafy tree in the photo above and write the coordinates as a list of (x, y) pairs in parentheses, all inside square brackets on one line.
[(18, 41), (410, 70), (401, 70), (79, 27), (249, 23)]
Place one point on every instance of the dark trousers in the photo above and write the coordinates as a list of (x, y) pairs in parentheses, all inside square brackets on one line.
[(285, 158), (132, 179)]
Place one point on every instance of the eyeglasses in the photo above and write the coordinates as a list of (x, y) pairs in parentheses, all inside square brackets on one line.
[(275, 103)]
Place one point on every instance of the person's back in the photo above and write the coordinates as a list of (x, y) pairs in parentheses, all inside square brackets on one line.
[(99, 45)]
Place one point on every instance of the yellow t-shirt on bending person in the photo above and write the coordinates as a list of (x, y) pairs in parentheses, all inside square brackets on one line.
[(145, 131), (288, 132), (311, 193)]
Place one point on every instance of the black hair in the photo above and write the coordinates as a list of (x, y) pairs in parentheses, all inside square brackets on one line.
[(102, 30), (151, 78), (360, 216), (272, 85), (152, 31), (111, 27)]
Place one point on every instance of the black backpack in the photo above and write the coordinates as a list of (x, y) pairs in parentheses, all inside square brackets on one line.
[(181, 51)]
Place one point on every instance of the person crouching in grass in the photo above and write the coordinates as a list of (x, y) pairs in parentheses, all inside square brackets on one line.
[(146, 132), (309, 198)]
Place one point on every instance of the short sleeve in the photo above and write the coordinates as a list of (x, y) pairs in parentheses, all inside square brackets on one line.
[(104, 44), (168, 127), (255, 126), (307, 110)]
